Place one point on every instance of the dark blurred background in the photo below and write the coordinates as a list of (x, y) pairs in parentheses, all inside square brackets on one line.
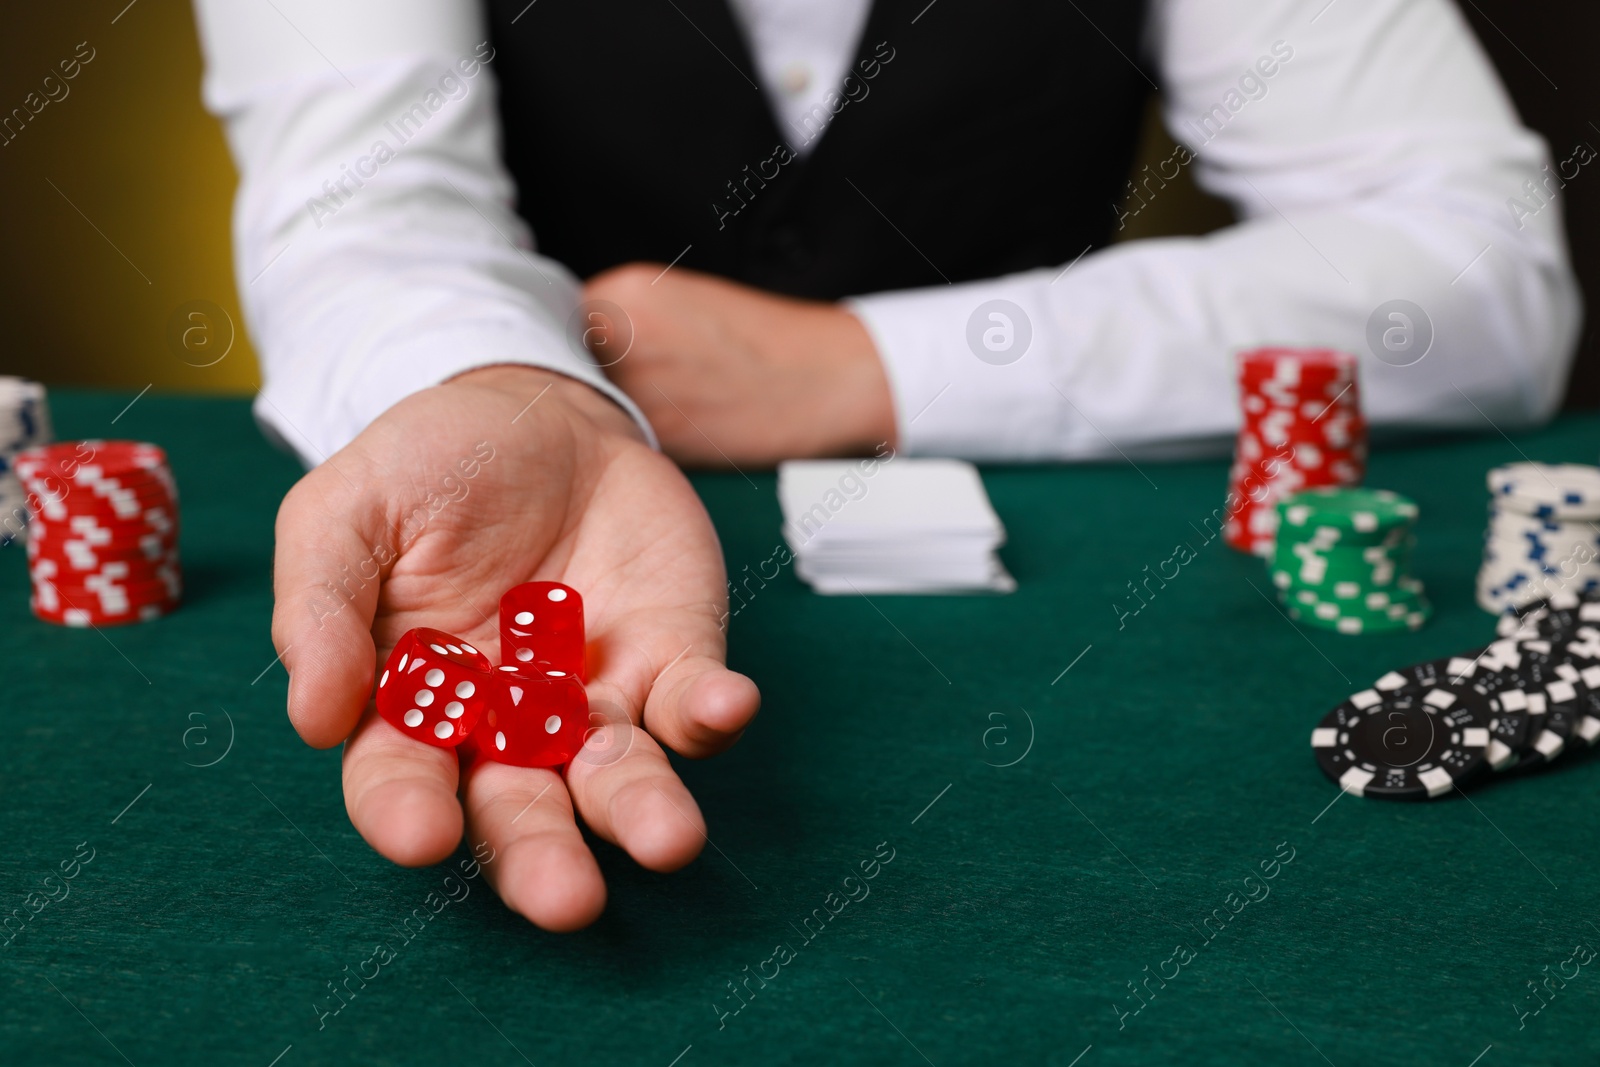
[(116, 196), (1545, 53)]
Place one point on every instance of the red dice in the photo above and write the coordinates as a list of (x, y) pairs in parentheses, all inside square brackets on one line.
[(541, 630), (532, 722), (435, 687), (531, 712)]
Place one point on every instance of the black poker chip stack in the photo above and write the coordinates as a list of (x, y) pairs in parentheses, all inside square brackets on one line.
[(1513, 706)]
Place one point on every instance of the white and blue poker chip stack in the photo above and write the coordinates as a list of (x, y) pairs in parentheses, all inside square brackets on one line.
[(24, 423), (1543, 535)]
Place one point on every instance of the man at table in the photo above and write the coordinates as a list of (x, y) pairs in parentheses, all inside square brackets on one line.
[(810, 213)]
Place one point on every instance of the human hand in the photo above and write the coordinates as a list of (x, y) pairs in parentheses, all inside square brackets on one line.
[(459, 492), (733, 376)]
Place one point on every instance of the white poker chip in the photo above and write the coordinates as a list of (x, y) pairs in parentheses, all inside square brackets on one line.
[(1542, 539), (1553, 490), (24, 423)]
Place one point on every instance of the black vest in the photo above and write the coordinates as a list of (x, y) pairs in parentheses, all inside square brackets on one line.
[(990, 136)]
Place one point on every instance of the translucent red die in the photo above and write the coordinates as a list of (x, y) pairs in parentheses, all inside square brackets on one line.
[(541, 630), (435, 687), (532, 722), (530, 712)]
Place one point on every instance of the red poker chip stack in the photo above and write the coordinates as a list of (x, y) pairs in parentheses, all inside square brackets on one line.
[(1302, 428), (103, 540)]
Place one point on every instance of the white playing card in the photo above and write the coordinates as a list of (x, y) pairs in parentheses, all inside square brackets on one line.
[(891, 525)]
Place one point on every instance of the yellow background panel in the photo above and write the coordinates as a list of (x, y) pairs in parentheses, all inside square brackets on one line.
[(115, 200)]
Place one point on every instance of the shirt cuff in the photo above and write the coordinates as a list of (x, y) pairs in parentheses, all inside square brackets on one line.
[(288, 411), (969, 367)]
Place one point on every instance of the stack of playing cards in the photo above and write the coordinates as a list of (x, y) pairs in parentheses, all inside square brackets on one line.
[(891, 525)]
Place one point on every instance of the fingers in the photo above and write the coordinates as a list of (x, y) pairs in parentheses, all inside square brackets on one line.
[(699, 707), (542, 869), (672, 663), (401, 795), (631, 797), (325, 590)]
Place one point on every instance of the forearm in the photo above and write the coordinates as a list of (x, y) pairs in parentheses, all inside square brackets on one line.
[(376, 247), (1359, 179)]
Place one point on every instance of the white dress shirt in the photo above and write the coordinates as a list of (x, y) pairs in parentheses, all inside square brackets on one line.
[(1379, 160)]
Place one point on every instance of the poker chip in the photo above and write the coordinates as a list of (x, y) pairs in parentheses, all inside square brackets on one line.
[(24, 424), (24, 415), (1586, 715), (1341, 561), (1510, 722), (1571, 622), (1558, 616), (1542, 536), (1540, 681), (1302, 427), (103, 541), (1413, 735), (1515, 705), (1535, 691), (1548, 490), (1553, 687)]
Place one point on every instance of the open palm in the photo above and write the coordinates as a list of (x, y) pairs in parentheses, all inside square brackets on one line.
[(452, 497)]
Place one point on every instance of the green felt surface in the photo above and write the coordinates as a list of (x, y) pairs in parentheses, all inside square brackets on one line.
[(1164, 767)]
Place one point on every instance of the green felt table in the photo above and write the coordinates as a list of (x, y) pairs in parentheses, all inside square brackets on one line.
[(1055, 834)]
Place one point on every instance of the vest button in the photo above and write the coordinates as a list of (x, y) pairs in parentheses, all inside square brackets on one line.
[(796, 77)]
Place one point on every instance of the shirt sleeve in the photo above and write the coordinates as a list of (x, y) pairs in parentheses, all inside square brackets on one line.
[(1370, 155), (375, 243)]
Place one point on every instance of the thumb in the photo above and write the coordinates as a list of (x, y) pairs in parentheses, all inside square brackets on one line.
[(328, 561)]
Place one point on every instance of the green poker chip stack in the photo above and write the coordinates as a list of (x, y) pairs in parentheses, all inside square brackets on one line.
[(1342, 561)]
